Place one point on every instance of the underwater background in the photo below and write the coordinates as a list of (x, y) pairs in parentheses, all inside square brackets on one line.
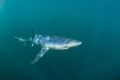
[(94, 22)]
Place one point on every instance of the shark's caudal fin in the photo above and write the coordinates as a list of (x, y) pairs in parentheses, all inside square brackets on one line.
[(21, 40), (40, 54), (24, 40)]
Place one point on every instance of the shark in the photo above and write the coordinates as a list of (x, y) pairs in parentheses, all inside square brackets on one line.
[(49, 42)]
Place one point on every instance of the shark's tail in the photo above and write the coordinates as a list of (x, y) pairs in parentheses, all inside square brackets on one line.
[(21, 40)]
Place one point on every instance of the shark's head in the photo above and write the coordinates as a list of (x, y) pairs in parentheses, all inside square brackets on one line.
[(73, 43)]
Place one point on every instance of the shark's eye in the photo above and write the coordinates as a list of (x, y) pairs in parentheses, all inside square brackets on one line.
[(66, 46)]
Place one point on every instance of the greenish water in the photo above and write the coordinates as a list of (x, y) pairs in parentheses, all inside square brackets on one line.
[(94, 22)]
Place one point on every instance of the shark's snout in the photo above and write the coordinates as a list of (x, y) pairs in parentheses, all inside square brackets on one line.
[(74, 43)]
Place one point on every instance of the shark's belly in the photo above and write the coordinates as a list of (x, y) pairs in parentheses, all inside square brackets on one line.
[(56, 46), (55, 42)]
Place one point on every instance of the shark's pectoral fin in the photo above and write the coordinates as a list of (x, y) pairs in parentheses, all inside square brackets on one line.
[(40, 54)]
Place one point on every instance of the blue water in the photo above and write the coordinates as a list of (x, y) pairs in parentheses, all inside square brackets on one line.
[(94, 22)]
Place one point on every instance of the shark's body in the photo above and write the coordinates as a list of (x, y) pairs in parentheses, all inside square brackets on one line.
[(50, 42)]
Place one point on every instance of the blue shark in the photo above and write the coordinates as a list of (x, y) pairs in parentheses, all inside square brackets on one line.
[(49, 42)]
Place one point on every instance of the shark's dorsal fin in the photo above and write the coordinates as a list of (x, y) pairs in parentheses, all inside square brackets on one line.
[(40, 54)]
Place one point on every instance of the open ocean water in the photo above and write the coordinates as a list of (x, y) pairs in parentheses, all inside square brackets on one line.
[(94, 22)]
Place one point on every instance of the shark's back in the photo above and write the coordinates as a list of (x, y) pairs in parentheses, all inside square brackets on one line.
[(55, 42)]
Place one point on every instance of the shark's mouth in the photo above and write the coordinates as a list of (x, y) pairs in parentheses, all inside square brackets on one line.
[(73, 43)]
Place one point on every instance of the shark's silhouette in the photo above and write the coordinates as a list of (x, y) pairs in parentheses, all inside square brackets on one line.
[(49, 42)]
